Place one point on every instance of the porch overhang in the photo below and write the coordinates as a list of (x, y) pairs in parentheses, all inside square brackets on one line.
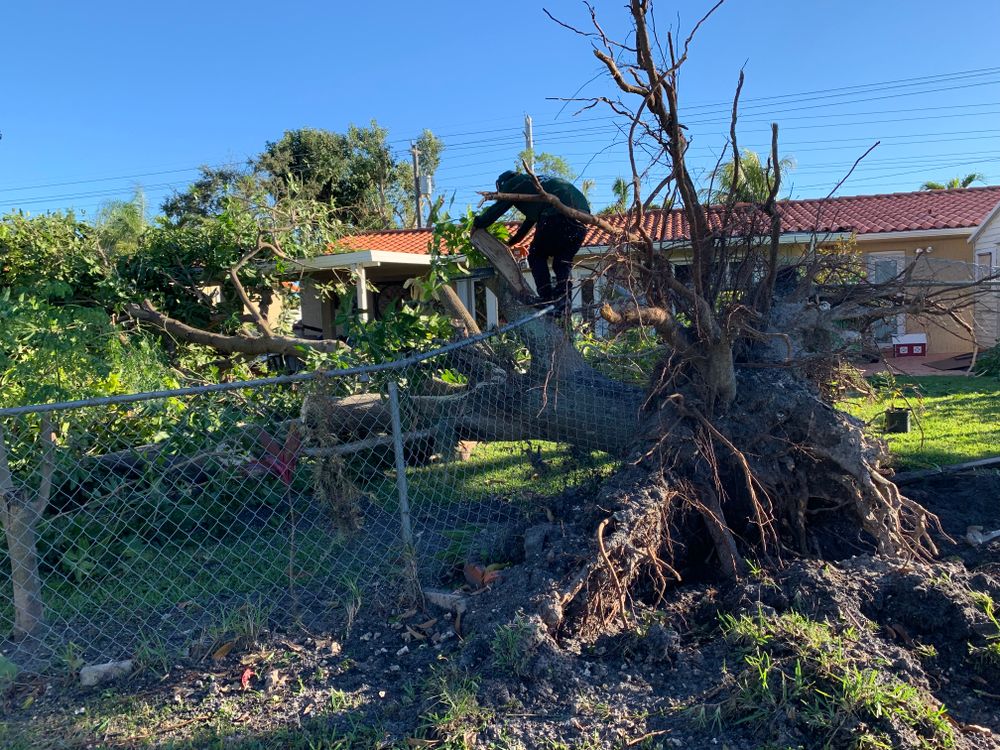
[(363, 259)]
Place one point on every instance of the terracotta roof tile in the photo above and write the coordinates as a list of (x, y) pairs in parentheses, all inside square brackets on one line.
[(394, 240), (863, 214)]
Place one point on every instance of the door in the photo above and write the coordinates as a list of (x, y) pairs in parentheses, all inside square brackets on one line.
[(883, 267)]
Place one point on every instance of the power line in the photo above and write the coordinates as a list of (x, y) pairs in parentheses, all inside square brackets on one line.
[(558, 133), (119, 177), (573, 131), (930, 79)]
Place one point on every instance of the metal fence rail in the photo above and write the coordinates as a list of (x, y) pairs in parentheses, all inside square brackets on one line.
[(168, 522)]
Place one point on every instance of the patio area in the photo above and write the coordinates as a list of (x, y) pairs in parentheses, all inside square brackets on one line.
[(920, 365)]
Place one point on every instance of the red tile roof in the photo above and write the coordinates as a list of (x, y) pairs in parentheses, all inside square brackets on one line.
[(394, 240), (863, 214)]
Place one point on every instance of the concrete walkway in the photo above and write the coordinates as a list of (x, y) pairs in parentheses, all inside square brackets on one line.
[(912, 365)]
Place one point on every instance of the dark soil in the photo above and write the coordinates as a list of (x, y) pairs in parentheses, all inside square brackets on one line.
[(495, 676)]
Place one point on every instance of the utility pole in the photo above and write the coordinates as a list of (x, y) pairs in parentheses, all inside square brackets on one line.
[(416, 180), (529, 142)]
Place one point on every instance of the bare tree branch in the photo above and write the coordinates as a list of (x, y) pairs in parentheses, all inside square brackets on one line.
[(232, 344)]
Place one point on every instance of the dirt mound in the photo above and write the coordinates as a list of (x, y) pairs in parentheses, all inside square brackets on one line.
[(853, 653)]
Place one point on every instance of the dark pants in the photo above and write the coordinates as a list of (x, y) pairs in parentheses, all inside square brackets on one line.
[(557, 237)]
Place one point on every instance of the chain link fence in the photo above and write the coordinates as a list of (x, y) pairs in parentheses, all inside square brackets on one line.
[(163, 523), (971, 290)]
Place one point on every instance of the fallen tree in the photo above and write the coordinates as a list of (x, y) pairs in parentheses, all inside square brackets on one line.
[(734, 447)]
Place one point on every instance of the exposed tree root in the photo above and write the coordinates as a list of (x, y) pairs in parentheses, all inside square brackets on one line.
[(730, 483)]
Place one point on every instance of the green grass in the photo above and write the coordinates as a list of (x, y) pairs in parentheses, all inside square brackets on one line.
[(957, 419), (511, 470), (252, 561), (123, 721), (817, 678), (513, 646)]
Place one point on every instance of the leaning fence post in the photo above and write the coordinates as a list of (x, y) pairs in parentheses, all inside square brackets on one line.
[(401, 487)]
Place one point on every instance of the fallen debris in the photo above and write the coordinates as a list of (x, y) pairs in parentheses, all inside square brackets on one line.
[(97, 674)]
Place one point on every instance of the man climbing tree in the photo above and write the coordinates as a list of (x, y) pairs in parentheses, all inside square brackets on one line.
[(557, 235)]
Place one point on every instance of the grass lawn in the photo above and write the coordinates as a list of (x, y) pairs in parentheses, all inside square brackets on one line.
[(956, 419), (131, 589)]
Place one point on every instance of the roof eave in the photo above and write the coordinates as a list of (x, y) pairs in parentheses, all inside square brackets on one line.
[(336, 261), (789, 238), (984, 223), (916, 234)]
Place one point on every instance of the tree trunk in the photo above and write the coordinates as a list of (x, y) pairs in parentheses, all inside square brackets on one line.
[(20, 519), (20, 528)]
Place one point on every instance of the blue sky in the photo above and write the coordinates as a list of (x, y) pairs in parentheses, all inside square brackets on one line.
[(105, 96)]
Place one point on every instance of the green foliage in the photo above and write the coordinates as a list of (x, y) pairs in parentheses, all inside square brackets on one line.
[(52, 257), (245, 624), (57, 352), (417, 324), (545, 163), (629, 356), (955, 182), (751, 183), (205, 197), (401, 331), (816, 679), (120, 224), (454, 714), (153, 654), (183, 267), (514, 646), (354, 174), (989, 654), (622, 190), (988, 362), (430, 147)]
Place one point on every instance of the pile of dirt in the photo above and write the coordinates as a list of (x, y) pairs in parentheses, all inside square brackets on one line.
[(848, 653)]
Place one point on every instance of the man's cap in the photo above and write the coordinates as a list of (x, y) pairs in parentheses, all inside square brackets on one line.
[(505, 177)]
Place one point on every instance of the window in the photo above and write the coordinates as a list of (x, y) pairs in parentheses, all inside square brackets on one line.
[(986, 264)]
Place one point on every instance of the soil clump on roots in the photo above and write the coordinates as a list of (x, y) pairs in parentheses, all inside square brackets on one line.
[(852, 652)]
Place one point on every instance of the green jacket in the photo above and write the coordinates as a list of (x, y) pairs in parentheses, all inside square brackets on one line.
[(533, 210)]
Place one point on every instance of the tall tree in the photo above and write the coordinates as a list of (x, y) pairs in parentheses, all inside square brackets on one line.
[(355, 173), (955, 182), (545, 163), (620, 189), (205, 197)]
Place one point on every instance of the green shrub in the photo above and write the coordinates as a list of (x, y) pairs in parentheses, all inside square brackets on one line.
[(988, 362)]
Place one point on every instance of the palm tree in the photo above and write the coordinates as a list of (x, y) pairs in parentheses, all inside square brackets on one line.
[(620, 188), (120, 224), (753, 182), (955, 183)]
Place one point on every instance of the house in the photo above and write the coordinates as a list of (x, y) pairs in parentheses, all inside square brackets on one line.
[(956, 233)]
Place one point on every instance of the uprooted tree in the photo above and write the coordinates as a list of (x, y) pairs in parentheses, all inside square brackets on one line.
[(734, 448)]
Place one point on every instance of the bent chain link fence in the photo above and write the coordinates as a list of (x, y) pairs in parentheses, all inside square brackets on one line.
[(168, 523)]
